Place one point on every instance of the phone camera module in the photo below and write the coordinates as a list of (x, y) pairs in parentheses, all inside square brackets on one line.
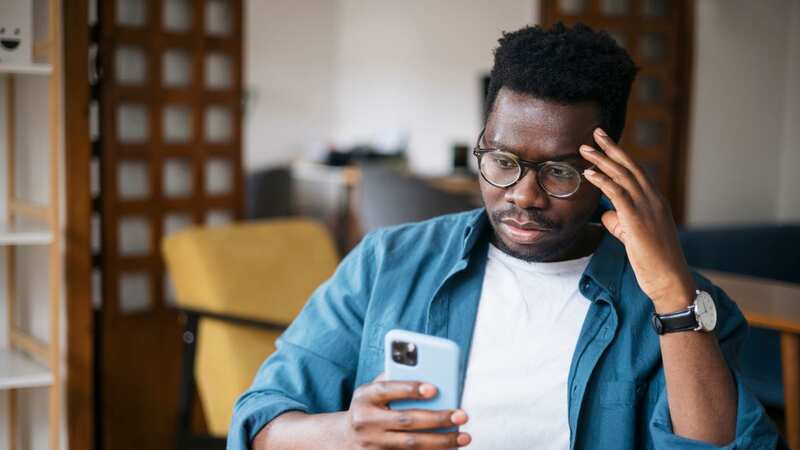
[(404, 353)]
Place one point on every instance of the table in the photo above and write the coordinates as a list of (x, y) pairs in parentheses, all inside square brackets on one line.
[(774, 305)]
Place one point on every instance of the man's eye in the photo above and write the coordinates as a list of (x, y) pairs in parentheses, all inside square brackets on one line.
[(561, 172), (504, 163)]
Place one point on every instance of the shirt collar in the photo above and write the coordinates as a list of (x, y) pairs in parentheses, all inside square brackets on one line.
[(477, 224), (604, 269)]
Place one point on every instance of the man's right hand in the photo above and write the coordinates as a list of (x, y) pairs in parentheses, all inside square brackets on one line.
[(372, 425), (368, 424)]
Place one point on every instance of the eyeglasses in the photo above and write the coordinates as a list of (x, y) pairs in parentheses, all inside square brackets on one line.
[(504, 169)]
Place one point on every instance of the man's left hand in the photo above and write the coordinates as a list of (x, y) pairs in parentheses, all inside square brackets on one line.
[(643, 223)]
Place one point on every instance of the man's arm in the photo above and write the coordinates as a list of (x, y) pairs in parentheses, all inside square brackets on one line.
[(313, 369), (304, 396), (300, 431), (368, 424), (700, 389)]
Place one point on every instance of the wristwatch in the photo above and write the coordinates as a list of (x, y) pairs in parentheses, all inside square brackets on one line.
[(699, 316)]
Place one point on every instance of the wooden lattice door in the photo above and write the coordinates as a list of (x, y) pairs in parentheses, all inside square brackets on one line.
[(169, 156), (658, 35)]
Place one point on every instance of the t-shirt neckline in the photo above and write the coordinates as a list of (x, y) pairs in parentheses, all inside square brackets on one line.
[(568, 266)]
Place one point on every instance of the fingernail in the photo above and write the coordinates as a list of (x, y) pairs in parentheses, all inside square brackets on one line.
[(459, 417), (589, 172), (587, 148), (600, 132), (427, 390), (463, 439)]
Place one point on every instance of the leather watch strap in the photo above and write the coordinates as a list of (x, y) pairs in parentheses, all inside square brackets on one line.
[(678, 321)]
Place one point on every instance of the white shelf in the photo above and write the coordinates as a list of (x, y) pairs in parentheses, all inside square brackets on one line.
[(25, 234), (19, 371), (29, 68)]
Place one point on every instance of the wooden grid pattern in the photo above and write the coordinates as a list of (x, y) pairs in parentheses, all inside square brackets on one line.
[(658, 35), (155, 151), (141, 348)]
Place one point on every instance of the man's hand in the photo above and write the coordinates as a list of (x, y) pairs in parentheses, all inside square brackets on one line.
[(700, 389), (372, 425), (644, 224), (368, 424)]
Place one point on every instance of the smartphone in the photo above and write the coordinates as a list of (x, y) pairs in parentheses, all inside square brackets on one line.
[(411, 356)]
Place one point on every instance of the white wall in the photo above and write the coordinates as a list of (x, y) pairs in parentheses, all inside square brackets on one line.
[(289, 64), (741, 113), (418, 66), (789, 194), (321, 72)]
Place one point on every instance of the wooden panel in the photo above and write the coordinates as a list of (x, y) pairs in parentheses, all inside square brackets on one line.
[(790, 357), (55, 269), (157, 124), (80, 332), (662, 46)]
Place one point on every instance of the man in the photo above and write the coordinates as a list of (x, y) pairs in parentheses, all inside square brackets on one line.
[(566, 327)]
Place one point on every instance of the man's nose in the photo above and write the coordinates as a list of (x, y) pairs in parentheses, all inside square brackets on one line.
[(527, 193)]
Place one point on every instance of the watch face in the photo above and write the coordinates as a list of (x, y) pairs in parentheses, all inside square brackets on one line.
[(706, 311)]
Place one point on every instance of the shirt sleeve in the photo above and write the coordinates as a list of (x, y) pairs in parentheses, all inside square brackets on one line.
[(313, 368), (754, 429)]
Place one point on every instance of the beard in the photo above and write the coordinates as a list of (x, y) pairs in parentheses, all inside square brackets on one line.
[(558, 241)]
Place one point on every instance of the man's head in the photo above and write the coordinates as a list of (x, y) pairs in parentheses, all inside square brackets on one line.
[(549, 90)]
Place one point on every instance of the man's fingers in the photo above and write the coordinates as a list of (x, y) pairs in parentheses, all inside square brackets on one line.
[(619, 196), (616, 153), (611, 222), (382, 392), (428, 441), (614, 170), (423, 419)]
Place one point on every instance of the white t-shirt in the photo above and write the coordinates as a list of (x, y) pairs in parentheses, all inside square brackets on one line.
[(529, 318)]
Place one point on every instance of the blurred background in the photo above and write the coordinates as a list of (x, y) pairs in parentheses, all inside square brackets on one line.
[(179, 175)]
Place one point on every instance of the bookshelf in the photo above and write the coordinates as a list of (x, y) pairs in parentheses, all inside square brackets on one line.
[(27, 361)]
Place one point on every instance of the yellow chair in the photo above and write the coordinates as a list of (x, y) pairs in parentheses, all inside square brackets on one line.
[(239, 286)]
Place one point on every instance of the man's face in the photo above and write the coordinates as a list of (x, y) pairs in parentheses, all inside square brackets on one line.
[(528, 223)]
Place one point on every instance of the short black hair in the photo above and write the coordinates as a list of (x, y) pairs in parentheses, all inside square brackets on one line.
[(565, 65)]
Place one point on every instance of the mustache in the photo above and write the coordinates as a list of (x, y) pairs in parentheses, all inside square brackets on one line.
[(526, 215)]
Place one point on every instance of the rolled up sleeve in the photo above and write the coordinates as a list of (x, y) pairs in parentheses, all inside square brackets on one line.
[(754, 429), (314, 366)]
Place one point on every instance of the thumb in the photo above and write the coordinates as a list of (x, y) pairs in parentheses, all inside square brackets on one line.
[(610, 220)]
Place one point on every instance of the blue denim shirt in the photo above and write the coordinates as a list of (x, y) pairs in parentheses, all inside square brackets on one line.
[(427, 277)]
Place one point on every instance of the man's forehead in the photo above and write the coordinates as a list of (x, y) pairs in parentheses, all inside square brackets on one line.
[(519, 122)]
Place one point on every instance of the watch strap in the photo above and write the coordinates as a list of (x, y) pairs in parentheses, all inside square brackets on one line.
[(684, 320)]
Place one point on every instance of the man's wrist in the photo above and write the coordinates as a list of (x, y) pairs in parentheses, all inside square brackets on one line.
[(674, 300)]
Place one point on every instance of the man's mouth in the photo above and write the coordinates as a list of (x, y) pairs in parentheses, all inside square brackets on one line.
[(523, 232)]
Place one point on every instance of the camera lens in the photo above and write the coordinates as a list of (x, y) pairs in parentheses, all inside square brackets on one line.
[(404, 353)]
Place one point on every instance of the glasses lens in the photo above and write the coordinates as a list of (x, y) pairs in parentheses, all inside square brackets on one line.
[(499, 168), (559, 179)]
